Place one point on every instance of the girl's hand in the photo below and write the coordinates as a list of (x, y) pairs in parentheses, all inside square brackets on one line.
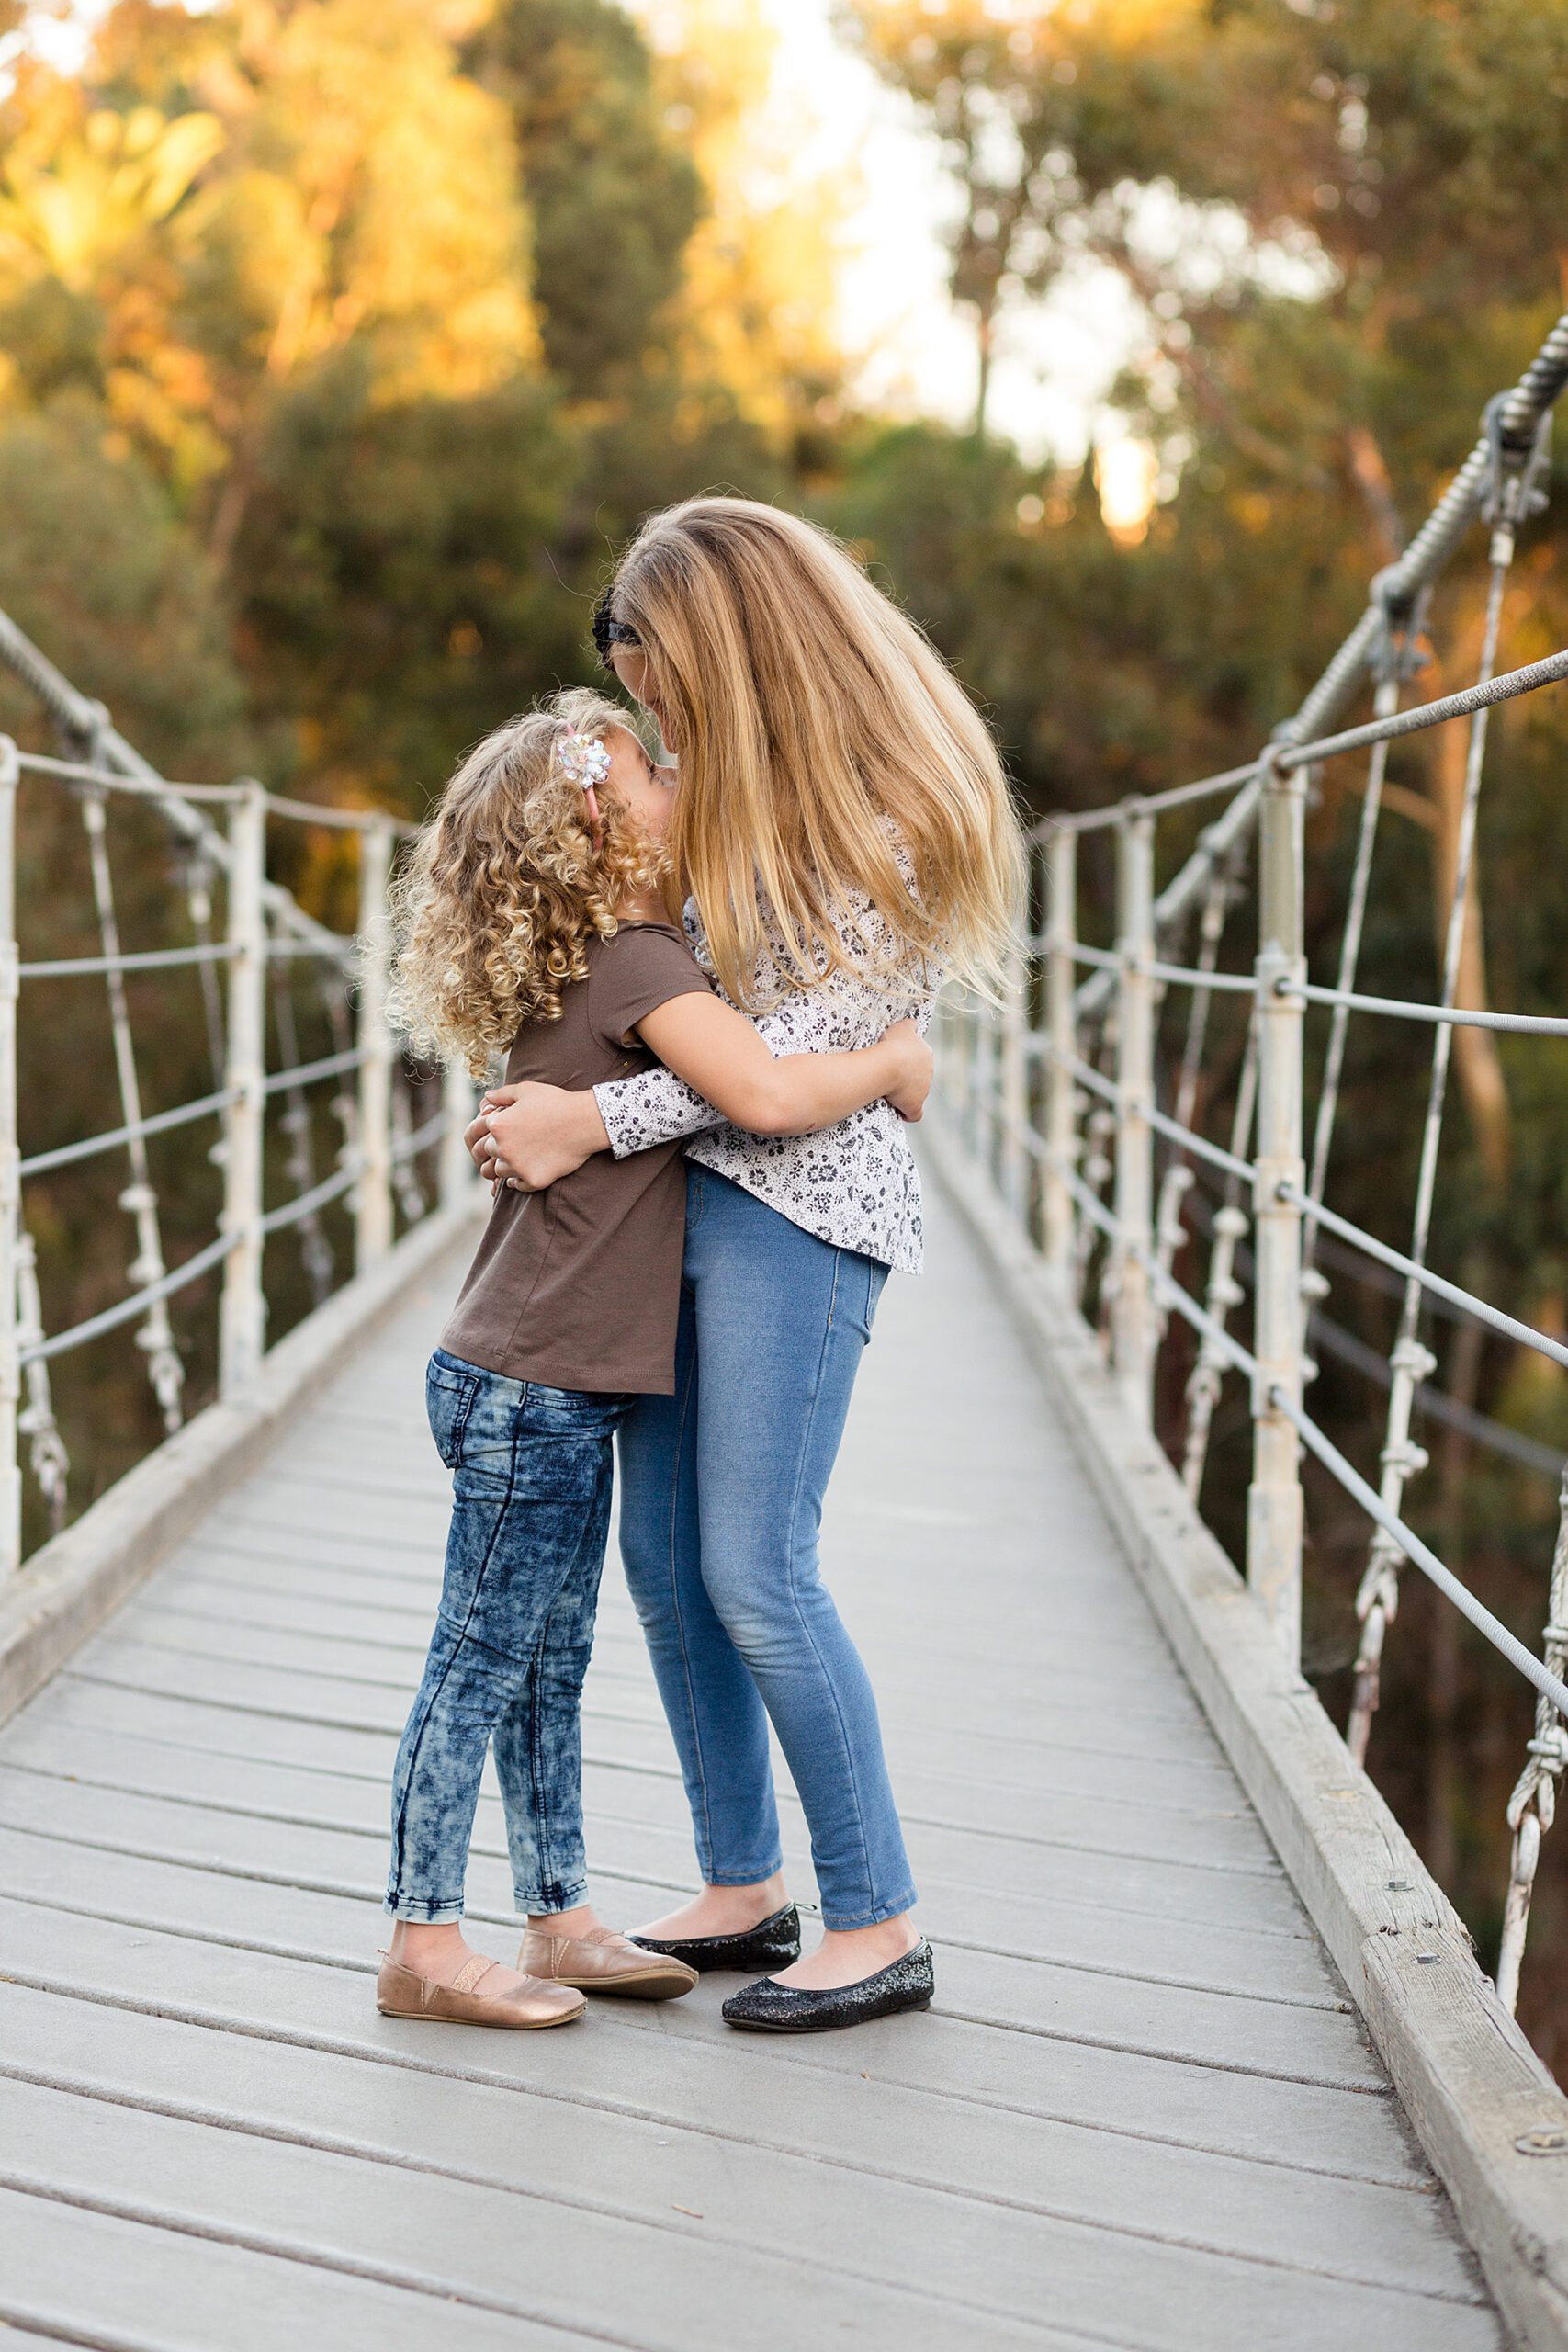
[(537, 1134), (477, 1134), (915, 1066)]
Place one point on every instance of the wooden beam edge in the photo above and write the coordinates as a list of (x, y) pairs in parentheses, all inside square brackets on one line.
[(1468, 2080), (73, 1582)]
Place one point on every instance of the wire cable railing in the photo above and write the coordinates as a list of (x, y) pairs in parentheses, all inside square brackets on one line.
[(1056, 1096), (249, 971)]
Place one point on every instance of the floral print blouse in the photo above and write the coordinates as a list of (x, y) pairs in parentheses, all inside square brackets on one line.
[(854, 1185)]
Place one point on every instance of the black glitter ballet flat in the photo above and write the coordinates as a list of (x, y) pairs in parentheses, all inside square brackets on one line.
[(768, 2008), (773, 1943)]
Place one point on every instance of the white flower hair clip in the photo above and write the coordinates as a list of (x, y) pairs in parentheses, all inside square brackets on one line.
[(586, 760)]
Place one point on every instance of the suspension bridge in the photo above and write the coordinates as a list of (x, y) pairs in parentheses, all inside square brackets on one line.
[(1213, 2062)]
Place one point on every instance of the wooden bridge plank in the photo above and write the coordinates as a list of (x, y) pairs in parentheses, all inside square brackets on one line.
[(909, 2199), (1290, 2128), (1157, 1940), (530, 2257), (395, 1663), (649, 1792), (1027, 2001), (1067, 1779), (1139, 2106), (89, 2277)]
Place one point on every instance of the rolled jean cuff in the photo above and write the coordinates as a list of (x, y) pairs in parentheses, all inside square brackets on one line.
[(424, 1911), (542, 1901), (742, 1878), (840, 1923)]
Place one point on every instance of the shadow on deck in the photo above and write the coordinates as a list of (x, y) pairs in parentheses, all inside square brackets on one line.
[(1143, 2112)]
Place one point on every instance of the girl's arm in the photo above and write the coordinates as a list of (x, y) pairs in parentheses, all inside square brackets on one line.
[(721, 1055), (657, 1107), (541, 1133)]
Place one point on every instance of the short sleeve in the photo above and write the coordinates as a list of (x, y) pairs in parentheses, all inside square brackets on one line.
[(641, 968)]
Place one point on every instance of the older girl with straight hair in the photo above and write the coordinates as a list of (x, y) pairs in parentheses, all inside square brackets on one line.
[(843, 839)]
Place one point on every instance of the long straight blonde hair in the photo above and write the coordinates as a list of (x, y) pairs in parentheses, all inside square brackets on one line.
[(819, 736)]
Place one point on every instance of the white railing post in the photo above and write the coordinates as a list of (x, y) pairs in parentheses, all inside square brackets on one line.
[(10, 1181), (1274, 1498), (1061, 1032), (1132, 1334), (1012, 1068), (241, 1322), (458, 1173), (373, 1195)]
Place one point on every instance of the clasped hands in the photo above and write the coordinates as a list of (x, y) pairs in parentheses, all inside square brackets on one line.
[(529, 1135)]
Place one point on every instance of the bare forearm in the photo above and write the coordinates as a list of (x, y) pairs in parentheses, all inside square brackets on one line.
[(800, 1093)]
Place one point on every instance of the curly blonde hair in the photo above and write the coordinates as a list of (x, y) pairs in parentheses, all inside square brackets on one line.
[(505, 885)]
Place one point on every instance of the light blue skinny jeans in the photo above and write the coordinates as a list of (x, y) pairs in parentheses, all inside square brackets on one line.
[(721, 1505)]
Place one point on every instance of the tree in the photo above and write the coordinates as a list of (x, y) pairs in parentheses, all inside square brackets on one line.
[(614, 198)]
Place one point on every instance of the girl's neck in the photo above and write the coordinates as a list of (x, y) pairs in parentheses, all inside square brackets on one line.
[(641, 906)]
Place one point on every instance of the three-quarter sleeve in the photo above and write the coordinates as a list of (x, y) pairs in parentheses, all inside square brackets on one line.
[(654, 1107), (657, 1107)]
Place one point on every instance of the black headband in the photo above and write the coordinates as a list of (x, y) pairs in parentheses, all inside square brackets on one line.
[(608, 631)]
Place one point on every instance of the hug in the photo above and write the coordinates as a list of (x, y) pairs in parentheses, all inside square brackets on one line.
[(706, 933)]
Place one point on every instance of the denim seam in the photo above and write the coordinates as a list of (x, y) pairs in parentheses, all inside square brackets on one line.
[(794, 1590), (681, 1420), (413, 1762)]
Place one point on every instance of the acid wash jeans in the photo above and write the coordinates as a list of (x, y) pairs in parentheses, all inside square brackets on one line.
[(530, 1518), (721, 1501)]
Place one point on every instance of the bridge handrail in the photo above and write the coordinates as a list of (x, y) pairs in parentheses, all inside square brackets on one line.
[(1090, 1049), (1511, 440), (267, 936)]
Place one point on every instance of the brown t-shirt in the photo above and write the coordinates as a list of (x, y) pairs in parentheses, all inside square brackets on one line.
[(578, 1287)]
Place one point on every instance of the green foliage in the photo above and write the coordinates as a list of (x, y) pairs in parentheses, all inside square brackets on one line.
[(614, 199), (399, 593), (99, 568)]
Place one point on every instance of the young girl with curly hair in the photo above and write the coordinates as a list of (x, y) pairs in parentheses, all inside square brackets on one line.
[(530, 918)]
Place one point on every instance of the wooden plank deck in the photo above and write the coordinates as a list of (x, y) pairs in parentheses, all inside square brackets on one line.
[(1142, 2112)]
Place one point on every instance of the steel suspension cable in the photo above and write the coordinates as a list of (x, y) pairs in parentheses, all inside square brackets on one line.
[(1510, 429), (1206, 1379), (156, 1339), (1377, 1598), (1385, 704)]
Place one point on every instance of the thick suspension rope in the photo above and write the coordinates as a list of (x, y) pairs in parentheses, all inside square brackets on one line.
[(1517, 492)]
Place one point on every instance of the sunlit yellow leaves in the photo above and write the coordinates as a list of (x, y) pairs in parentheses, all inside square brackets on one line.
[(77, 188), (382, 184), (759, 307)]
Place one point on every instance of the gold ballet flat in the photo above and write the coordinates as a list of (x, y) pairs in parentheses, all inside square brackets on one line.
[(403, 1993), (602, 1962)]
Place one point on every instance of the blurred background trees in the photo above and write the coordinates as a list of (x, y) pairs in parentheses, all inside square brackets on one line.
[(342, 342)]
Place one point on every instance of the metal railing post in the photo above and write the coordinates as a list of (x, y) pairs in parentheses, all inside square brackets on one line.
[(10, 1181), (1274, 1498), (1133, 1336), (458, 1173), (1012, 1069), (373, 1195), (1061, 928), (242, 1321)]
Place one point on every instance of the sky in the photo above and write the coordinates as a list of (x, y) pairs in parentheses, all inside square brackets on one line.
[(1055, 361), (912, 352)]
